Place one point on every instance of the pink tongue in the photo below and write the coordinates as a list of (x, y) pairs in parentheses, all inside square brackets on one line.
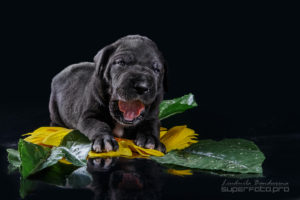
[(131, 109)]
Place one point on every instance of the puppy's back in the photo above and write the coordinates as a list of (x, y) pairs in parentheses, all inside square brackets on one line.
[(67, 90)]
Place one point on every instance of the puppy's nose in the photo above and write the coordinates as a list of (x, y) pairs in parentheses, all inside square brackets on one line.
[(141, 88)]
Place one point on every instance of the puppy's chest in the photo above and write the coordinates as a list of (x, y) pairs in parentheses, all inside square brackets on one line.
[(124, 132)]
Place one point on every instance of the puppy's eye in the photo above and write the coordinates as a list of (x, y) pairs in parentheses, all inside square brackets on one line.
[(155, 67), (120, 62)]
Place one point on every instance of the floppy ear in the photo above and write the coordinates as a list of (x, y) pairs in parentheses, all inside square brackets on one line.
[(101, 60), (165, 80)]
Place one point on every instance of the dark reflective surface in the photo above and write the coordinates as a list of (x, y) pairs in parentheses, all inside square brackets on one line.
[(126, 179), (241, 65), (120, 178)]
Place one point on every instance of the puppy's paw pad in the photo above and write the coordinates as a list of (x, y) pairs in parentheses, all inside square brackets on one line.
[(97, 148), (145, 141), (150, 146), (104, 143), (107, 146), (140, 140)]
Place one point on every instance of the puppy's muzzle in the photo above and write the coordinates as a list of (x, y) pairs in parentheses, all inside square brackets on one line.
[(134, 92), (136, 86)]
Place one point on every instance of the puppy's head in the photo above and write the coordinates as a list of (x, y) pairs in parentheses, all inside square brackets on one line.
[(134, 74)]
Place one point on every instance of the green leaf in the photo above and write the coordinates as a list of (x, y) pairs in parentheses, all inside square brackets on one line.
[(14, 160), (75, 147), (33, 157), (168, 108), (229, 155)]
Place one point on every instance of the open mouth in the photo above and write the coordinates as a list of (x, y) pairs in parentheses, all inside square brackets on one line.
[(131, 110)]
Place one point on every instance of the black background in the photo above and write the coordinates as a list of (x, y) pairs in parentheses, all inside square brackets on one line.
[(238, 60)]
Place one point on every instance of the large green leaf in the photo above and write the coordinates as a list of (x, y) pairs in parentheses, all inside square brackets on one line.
[(33, 157), (230, 155), (168, 108), (74, 147)]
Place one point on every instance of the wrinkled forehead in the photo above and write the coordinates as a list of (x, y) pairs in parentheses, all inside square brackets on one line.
[(140, 49)]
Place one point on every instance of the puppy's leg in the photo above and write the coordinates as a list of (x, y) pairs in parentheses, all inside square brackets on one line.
[(148, 136), (99, 133)]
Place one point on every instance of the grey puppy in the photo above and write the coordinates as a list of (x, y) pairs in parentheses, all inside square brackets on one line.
[(116, 95)]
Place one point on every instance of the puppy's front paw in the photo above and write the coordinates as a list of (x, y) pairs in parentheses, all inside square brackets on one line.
[(104, 143), (147, 141)]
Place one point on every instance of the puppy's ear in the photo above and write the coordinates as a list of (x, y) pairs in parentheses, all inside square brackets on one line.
[(101, 59), (165, 79)]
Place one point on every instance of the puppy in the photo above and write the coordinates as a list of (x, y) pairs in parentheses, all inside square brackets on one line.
[(116, 95)]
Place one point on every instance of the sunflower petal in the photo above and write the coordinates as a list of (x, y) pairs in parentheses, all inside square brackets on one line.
[(140, 150), (162, 133), (50, 136), (178, 137)]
